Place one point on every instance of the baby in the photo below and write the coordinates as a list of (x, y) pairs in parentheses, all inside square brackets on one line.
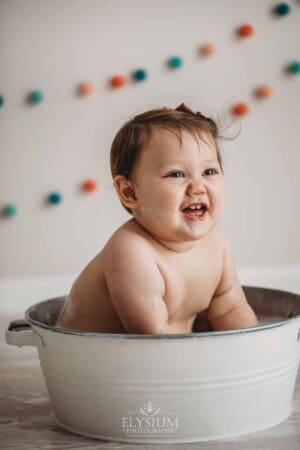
[(169, 269)]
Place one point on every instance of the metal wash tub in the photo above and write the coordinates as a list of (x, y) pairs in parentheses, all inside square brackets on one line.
[(169, 388)]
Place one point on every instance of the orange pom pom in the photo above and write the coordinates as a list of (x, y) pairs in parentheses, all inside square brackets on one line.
[(118, 81), (241, 109), (208, 49), (263, 91), (89, 185), (86, 88), (246, 30)]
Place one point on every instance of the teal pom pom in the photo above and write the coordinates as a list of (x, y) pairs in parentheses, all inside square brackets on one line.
[(294, 67), (1, 100), (10, 210), (36, 96), (282, 9), (140, 75), (175, 62), (54, 198)]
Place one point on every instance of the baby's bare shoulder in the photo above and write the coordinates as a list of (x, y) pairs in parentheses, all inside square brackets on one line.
[(129, 243), (129, 232)]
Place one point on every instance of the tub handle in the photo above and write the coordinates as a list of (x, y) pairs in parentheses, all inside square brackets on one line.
[(19, 333)]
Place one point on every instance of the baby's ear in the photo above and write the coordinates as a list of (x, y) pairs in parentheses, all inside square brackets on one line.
[(125, 191)]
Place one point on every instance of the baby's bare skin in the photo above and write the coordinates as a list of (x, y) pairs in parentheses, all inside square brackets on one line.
[(190, 280), (161, 270)]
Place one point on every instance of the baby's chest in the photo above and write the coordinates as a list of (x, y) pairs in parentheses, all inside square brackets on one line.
[(190, 285)]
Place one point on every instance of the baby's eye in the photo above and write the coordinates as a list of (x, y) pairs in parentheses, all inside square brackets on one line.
[(176, 174), (211, 171)]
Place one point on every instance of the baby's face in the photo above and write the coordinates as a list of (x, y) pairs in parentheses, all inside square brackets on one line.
[(168, 177)]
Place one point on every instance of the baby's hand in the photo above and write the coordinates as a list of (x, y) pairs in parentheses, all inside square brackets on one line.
[(231, 311), (229, 308)]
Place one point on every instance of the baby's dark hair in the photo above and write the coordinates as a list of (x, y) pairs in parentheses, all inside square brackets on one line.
[(137, 132)]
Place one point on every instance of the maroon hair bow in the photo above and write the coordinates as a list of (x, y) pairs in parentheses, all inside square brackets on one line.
[(184, 108)]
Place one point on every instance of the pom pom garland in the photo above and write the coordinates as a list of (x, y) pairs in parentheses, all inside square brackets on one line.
[(86, 88), (89, 185), (10, 210), (140, 75), (240, 109), (294, 67), (36, 96), (263, 91), (282, 9), (54, 198), (175, 62), (208, 49), (245, 30), (118, 81)]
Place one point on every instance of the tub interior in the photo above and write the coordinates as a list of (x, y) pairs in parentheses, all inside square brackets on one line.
[(270, 305)]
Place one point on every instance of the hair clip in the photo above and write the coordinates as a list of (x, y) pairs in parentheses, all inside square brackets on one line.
[(184, 108)]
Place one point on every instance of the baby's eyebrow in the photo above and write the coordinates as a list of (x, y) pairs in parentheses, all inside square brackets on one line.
[(170, 162), (214, 160)]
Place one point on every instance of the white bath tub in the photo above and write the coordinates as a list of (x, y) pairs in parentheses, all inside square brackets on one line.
[(169, 388)]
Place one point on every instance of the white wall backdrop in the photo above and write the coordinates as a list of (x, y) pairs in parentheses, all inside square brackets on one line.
[(55, 45)]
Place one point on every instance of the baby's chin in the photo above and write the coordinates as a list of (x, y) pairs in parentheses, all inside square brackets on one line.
[(184, 232), (200, 228), (196, 231), (175, 228), (197, 226)]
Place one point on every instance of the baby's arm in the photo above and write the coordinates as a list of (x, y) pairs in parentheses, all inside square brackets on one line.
[(229, 308), (136, 287)]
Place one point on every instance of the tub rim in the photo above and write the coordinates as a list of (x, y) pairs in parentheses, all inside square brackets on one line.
[(191, 335)]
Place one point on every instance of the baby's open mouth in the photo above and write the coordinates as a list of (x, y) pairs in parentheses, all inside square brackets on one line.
[(195, 210)]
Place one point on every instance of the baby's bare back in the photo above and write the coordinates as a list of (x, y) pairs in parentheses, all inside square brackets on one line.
[(189, 281)]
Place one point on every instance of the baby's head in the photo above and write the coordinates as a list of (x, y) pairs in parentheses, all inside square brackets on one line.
[(149, 150)]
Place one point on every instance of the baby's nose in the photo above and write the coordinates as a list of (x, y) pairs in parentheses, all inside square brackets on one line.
[(196, 187)]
